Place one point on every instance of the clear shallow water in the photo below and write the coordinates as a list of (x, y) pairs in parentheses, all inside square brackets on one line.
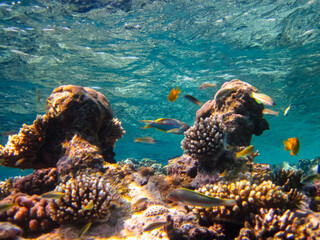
[(135, 52)]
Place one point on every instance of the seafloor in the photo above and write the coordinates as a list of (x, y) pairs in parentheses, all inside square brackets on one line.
[(70, 148)]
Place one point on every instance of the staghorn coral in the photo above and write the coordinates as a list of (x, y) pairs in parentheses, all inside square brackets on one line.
[(70, 110), (30, 213), (205, 139), (80, 191), (39, 182), (268, 224), (250, 198)]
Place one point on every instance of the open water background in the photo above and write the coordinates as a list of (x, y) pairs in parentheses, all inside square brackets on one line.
[(135, 52)]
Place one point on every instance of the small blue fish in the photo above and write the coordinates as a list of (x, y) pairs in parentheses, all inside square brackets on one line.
[(167, 125)]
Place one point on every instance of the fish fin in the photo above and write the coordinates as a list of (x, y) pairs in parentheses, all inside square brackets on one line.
[(173, 130), (146, 121), (287, 145), (178, 90)]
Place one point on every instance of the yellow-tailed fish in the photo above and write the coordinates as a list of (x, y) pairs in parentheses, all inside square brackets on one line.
[(53, 195), (192, 198), (192, 99), (145, 140), (166, 124), (154, 225), (247, 151), (287, 111), (263, 98), (6, 206), (89, 206), (85, 229), (267, 111), (311, 178), (19, 162), (293, 145), (207, 85), (174, 94), (224, 92)]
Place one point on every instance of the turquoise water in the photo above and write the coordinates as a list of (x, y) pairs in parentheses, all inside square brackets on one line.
[(135, 52)]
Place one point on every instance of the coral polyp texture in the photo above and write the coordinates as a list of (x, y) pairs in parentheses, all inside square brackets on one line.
[(70, 110), (249, 197), (205, 139), (28, 212), (86, 199), (268, 224)]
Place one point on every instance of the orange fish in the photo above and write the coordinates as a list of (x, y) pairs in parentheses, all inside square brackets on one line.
[(174, 94), (293, 145)]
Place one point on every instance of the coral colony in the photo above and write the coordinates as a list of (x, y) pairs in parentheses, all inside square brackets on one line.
[(78, 190)]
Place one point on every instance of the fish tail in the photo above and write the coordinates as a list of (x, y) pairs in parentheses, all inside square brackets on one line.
[(145, 127), (178, 90), (229, 202)]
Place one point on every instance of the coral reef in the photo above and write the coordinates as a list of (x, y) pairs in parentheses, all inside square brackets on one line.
[(40, 181), (6, 187), (250, 198), (9, 231), (70, 110), (29, 212), (86, 199), (268, 224)]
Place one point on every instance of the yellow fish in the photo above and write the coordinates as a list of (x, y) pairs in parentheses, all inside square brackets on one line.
[(245, 152), (85, 229), (154, 225), (53, 195), (19, 162), (293, 145), (287, 111), (207, 85), (174, 94), (267, 111), (263, 98)]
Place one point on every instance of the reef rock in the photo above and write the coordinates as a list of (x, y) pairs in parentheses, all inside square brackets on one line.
[(75, 117)]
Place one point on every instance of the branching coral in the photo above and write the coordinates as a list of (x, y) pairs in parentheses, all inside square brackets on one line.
[(268, 224), (6, 188), (29, 212), (250, 198), (39, 182), (86, 199)]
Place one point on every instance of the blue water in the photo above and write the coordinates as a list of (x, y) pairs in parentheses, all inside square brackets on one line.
[(135, 53)]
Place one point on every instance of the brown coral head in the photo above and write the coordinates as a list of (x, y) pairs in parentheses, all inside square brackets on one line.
[(79, 108)]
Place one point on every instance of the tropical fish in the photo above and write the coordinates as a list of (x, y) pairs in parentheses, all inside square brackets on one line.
[(140, 200), (293, 145), (145, 140), (192, 99), (207, 85), (19, 162), (224, 92), (267, 111), (262, 98), (53, 195), (192, 198), (311, 178), (154, 225), (166, 124), (174, 94), (85, 229), (38, 95), (247, 151), (287, 111), (89, 206), (6, 206)]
